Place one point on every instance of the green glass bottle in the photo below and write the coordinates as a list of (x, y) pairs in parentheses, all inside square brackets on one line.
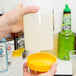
[(66, 36)]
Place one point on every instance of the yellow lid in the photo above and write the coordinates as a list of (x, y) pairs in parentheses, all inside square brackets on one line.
[(18, 52), (15, 55), (40, 62)]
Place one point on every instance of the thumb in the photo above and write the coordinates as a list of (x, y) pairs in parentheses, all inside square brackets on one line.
[(28, 10), (25, 69), (53, 68)]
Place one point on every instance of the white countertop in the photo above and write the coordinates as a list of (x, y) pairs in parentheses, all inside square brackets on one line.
[(63, 67)]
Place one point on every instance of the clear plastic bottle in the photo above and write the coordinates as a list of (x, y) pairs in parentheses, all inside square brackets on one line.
[(17, 63), (3, 56), (17, 66)]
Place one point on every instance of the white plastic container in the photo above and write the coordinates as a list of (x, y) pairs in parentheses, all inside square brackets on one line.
[(17, 66), (3, 56), (38, 28)]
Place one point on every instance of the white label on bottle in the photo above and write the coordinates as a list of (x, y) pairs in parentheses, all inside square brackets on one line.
[(3, 60), (10, 49)]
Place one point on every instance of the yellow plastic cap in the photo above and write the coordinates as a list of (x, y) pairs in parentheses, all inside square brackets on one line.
[(15, 55), (40, 62), (18, 52)]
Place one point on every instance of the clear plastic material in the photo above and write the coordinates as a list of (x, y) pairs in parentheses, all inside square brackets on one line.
[(38, 27), (3, 57), (73, 60), (17, 66)]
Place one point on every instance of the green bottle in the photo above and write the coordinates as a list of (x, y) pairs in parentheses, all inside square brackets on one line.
[(66, 36)]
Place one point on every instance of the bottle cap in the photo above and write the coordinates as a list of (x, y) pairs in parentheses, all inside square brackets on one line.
[(67, 9), (18, 52), (40, 62)]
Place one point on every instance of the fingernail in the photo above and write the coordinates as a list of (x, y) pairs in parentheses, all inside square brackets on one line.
[(36, 8)]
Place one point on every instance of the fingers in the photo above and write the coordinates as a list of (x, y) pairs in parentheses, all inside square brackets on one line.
[(25, 69), (32, 72), (53, 68), (26, 10), (25, 65), (51, 72), (29, 9), (26, 72), (19, 11)]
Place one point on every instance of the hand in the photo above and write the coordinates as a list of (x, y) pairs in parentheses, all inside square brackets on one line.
[(51, 72), (14, 18)]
